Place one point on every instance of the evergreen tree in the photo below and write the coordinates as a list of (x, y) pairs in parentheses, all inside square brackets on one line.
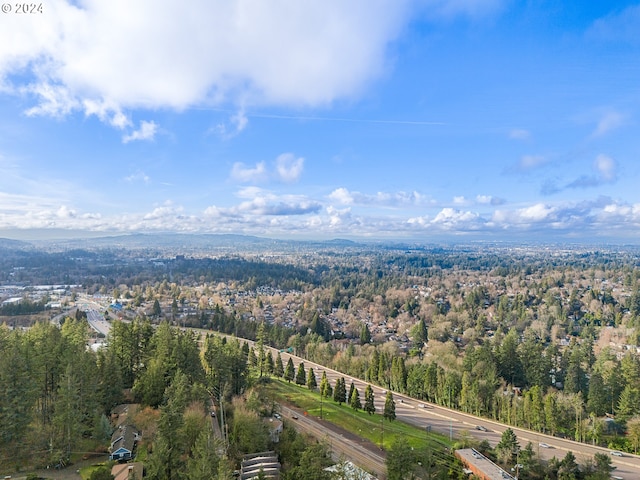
[(629, 402), (389, 407), (569, 469), (270, 363), (365, 334), (311, 379), (301, 376), (352, 387), (340, 391), (354, 400), (369, 404), (325, 387), (508, 359), (372, 371), (602, 467), (419, 333), (203, 464), (400, 460), (166, 462), (507, 449), (156, 311), (597, 400), (279, 368), (289, 371)]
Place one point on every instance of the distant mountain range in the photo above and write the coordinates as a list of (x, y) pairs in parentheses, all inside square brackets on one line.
[(171, 241)]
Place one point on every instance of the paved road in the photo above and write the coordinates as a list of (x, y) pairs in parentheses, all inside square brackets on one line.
[(97, 322), (342, 443), (453, 423)]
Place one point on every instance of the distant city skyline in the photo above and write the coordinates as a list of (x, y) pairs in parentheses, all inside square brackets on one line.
[(415, 120)]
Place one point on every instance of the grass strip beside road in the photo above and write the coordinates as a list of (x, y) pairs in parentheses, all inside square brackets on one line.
[(359, 422)]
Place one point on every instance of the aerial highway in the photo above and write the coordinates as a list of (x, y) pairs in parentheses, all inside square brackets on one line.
[(452, 423)]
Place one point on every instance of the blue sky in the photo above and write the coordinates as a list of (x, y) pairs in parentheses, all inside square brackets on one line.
[(421, 120)]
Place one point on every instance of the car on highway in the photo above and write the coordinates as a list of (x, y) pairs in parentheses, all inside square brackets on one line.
[(213, 414), (481, 428), (617, 453), (544, 445), (294, 416)]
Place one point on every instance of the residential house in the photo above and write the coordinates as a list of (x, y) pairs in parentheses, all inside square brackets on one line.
[(123, 443)]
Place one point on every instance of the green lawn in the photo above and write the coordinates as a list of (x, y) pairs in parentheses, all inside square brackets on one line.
[(359, 423)]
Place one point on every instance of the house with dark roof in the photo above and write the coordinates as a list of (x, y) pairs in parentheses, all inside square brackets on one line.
[(123, 443)]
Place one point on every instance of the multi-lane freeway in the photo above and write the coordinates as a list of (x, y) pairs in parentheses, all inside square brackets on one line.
[(453, 423)]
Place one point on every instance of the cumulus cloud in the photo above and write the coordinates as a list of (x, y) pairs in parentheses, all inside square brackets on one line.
[(605, 173), (533, 217), (147, 131), (490, 200), (343, 196), (287, 168), (262, 202), (266, 213), (237, 123), (152, 54), (242, 173)]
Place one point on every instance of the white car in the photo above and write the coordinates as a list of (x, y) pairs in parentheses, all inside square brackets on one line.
[(617, 453), (545, 445)]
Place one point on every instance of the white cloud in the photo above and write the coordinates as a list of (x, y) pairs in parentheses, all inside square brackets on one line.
[(147, 131), (608, 122), (605, 173), (450, 218), (289, 167), (532, 214), (343, 196), (237, 123), (459, 200), (159, 54), (242, 173), (262, 202), (489, 200), (138, 176), (606, 167), (297, 215), (530, 162)]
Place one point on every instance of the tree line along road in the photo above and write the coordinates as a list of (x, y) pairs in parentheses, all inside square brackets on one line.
[(452, 423)]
